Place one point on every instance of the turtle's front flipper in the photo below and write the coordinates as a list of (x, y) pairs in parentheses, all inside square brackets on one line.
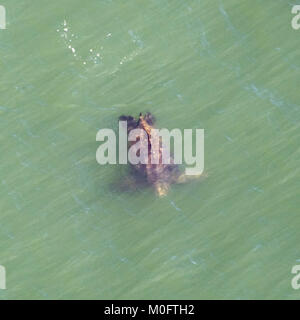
[(161, 188)]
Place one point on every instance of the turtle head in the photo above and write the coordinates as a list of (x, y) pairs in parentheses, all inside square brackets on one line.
[(148, 117)]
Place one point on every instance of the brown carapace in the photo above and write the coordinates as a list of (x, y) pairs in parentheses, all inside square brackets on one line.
[(159, 175)]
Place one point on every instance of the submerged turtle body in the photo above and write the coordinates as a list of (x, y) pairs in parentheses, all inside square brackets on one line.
[(160, 175)]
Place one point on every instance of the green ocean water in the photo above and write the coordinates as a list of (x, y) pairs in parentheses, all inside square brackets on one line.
[(69, 68)]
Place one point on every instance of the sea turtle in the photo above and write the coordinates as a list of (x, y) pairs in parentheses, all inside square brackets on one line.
[(157, 174)]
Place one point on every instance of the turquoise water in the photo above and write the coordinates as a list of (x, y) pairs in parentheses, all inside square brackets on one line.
[(70, 68)]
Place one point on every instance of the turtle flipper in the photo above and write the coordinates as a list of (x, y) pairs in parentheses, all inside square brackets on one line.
[(161, 188), (131, 122)]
